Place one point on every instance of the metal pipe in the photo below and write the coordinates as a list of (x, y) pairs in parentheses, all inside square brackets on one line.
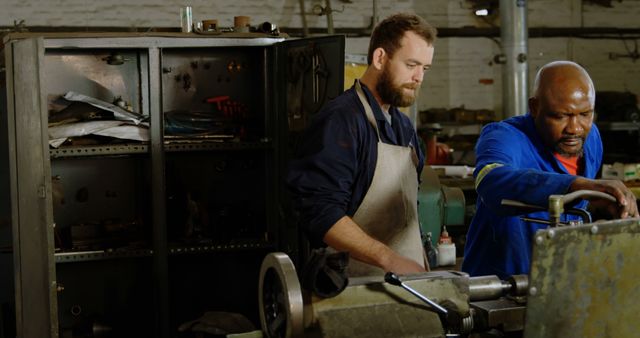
[(374, 17), (329, 12), (492, 287), (487, 287), (513, 33), (303, 15)]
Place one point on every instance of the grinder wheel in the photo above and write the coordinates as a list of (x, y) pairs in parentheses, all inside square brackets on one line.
[(281, 305)]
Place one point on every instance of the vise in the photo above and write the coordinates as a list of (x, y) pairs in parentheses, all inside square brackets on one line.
[(371, 307), (583, 283)]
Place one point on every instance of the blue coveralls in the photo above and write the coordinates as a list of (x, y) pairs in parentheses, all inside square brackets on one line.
[(498, 241)]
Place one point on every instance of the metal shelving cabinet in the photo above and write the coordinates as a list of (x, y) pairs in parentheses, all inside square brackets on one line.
[(134, 238)]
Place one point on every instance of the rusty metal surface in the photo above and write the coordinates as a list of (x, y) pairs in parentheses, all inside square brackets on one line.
[(503, 313), (377, 309), (584, 281)]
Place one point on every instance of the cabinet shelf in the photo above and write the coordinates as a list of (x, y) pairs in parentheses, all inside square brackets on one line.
[(94, 255), (207, 248), (120, 149), (191, 145), (170, 146)]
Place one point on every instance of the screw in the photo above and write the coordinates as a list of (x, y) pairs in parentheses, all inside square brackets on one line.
[(533, 291), (594, 229), (539, 240), (551, 234)]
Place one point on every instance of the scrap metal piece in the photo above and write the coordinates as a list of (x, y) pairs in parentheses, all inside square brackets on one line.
[(585, 282)]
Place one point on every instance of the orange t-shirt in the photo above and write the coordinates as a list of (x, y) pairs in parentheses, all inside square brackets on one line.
[(570, 163)]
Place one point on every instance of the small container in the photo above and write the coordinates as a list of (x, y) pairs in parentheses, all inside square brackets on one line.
[(446, 254), (241, 23), (446, 250), (186, 19), (210, 25)]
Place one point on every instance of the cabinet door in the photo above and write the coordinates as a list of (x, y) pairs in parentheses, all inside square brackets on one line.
[(309, 72), (31, 209), (313, 72)]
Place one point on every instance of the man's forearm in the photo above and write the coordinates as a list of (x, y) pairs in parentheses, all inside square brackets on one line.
[(347, 236)]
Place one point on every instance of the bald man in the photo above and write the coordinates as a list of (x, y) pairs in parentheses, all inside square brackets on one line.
[(555, 149)]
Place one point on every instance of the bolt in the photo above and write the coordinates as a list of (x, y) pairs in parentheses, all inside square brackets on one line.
[(539, 240), (551, 234), (594, 229), (533, 291), (522, 57)]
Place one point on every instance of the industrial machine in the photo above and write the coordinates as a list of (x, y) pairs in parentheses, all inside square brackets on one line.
[(438, 303), (438, 205), (582, 284)]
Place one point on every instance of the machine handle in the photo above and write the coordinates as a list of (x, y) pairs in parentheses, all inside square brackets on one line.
[(393, 279), (570, 197), (518, 204), (586, 193)]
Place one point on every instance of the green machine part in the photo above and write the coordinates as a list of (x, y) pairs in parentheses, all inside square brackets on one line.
[(438, 205)]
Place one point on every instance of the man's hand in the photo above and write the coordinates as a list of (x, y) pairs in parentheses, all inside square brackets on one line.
[(347, 236), (626, 205), (402, 265)]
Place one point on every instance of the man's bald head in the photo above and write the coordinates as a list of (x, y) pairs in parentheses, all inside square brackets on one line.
[(557, 77), (562, 106)]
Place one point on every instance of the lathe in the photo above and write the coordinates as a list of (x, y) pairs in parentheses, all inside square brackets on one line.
[(583, 283)]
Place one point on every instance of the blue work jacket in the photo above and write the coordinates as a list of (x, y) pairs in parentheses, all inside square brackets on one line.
[(525, 170)]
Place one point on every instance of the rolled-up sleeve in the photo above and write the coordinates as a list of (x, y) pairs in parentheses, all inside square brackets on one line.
[(322, 177), (336, 160)]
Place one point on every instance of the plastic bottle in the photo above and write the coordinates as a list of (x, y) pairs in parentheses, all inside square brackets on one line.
[(446, 249), (432, 253)]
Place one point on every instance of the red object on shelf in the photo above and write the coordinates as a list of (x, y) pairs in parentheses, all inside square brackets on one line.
[(437, 153)]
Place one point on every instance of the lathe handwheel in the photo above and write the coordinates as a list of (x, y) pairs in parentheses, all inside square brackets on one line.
[(281, 306)]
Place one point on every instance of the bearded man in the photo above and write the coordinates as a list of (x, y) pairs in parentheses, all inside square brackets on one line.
[(355, 177), (555, 149)]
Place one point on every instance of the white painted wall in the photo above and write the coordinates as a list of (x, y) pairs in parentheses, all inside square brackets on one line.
[(459, 64)]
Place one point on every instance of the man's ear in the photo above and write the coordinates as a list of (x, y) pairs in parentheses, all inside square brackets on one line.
[(533, 106), (379, 58)]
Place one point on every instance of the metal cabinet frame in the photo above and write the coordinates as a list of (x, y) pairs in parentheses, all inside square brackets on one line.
[(30, 167)]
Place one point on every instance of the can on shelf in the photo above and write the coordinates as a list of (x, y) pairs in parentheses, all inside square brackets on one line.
[(186, 19)]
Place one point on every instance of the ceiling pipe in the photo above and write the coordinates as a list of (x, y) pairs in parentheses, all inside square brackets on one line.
[(374, 17), (513, 37), (303, 14), (329, 14)]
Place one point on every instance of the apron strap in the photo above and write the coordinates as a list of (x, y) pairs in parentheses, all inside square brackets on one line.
[(367, 108)]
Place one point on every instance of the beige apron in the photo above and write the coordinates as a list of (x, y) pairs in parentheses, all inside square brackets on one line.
[(389, 211)]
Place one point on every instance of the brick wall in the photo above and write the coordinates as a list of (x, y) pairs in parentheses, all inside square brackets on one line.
[(463, 69)]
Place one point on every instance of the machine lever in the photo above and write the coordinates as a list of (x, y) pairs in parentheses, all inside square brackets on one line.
[(393, 279)]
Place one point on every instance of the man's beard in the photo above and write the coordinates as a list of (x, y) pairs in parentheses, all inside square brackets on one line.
[(395, 95), (577, 153)]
